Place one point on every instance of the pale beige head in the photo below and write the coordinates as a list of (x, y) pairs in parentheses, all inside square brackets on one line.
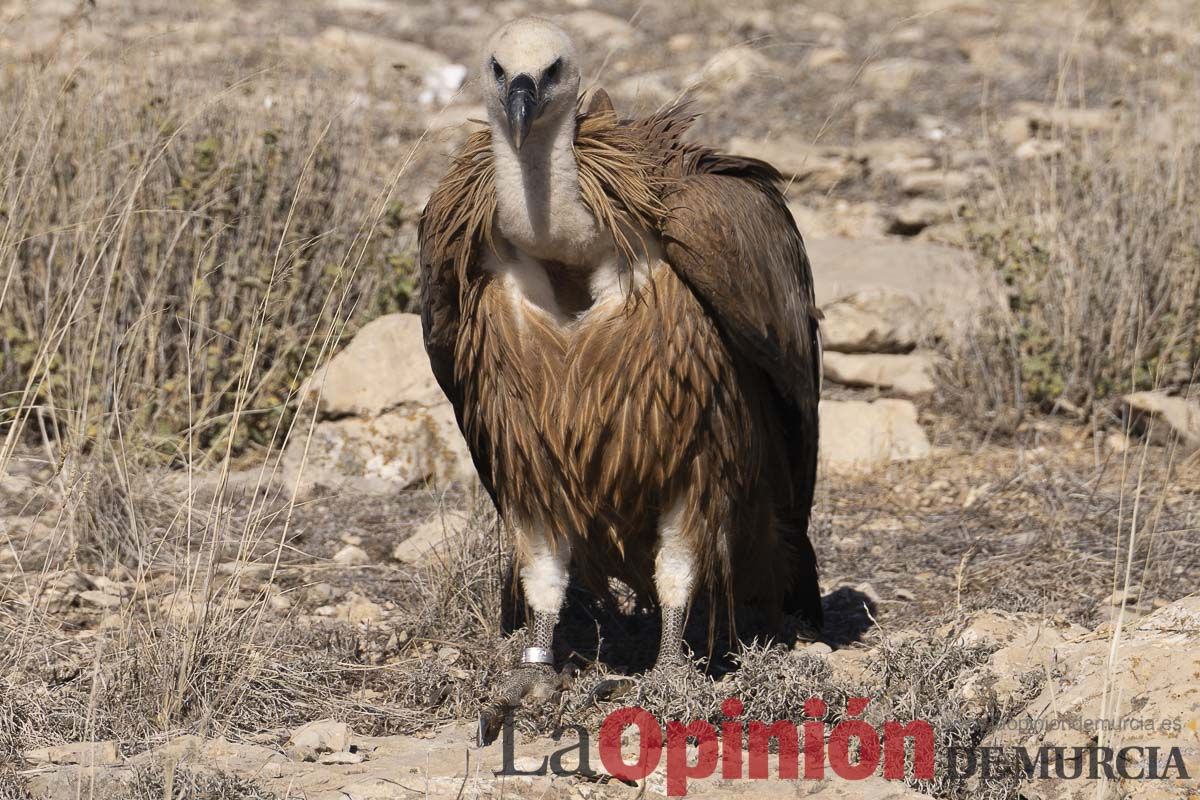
[(530, 76)]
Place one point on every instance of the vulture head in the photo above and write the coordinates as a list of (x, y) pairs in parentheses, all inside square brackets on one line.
[(530, 77)]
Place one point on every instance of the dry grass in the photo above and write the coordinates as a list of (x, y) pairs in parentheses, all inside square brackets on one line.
[(1095, 252), (175, 264), (172, 266)]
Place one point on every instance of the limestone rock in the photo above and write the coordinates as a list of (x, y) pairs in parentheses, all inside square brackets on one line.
[(893, 75), (309, 741), (942, 281), (1048, 117), (1149, 677), (394, 426), (732, 68), (824, 56), (1031, 149), (938, 183), (380, 455), (858, 436), (100, 599), (351, 556), (909, 374), (1165, 416), (598, 26), (86, 754), (814, 168), (913, 216), (871, 321), (383, 367), (430, 537), (380, 55)]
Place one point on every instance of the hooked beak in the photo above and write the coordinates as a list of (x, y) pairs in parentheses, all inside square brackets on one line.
[(521, 107)]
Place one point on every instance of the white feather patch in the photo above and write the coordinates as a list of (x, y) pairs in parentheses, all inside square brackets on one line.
[(544, 569), (675, 563)]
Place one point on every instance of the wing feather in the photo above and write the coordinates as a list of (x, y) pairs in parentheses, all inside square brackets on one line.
[(734, 242)]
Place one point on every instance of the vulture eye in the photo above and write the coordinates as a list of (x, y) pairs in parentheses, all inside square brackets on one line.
[(497, 70), (553, 70)]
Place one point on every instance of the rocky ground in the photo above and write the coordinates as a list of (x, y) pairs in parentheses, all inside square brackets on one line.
[(978, 574)]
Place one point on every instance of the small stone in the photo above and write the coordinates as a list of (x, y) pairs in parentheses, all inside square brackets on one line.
[(905, 594), (680, 42), (310, 741), (359, 610), (732, 68), (913, 216), (598, 26), (100, 599), (352, 556), (320, 593), (939, 183), (891, 76), (824, 56), (1016, 130), (431, 537), (1038, 148)]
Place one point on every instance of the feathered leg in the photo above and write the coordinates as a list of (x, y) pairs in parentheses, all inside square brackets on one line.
[(675, 567), (544, 575)]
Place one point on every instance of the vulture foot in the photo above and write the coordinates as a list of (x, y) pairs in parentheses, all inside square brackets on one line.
[(529, 683), (611, 689), (670, 673)]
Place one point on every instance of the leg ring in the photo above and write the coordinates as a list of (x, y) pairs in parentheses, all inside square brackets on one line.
[(537, 655)]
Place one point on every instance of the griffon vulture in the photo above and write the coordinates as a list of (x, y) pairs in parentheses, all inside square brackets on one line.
[(624, 322)]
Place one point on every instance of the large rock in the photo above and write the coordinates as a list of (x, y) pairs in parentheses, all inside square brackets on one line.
[(380, 454), (859, 436), (1149, 675), (384, 367), (942, 281), (387, 424), (1166, 417), (910, 374), (871, 321), (85, 754)]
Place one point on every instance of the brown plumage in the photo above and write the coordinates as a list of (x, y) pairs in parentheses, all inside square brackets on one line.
[(696, 390)]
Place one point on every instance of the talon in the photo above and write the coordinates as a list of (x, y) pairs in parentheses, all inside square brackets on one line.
[(490, 722), (529, 682)]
